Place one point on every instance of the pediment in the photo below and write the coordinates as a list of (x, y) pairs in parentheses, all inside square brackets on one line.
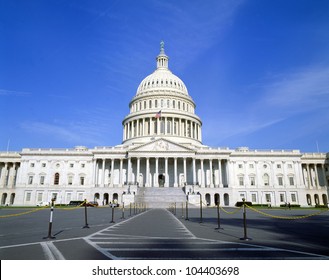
[(161, 145)]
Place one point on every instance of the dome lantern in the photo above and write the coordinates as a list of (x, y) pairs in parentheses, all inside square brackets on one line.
[(162, 58)]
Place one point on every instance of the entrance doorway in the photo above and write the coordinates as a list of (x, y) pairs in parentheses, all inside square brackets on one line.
[(161, 180)]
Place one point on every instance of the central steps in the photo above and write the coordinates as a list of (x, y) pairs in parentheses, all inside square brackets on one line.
[(160, 197)]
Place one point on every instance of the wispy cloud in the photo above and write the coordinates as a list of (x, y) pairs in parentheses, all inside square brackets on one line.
[(299, 91), (6, 92), (88, 128), (302, 93)]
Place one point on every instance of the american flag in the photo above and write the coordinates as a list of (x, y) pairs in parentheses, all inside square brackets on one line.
[(158, 114)]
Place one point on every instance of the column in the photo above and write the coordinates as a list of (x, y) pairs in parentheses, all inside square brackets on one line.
[(245, 179), (137, 128), (184, 165), (120, 173), (165, 126), (156, 171), (147, 183), (202, 174), (194, 173), (272, 181), (220, 183), (129, 171), (316, 176), (158, 126), (128, 134), (180, 127), (95, 172), (138, 170), (297, 177), (103, 172), (112, 171), (175, 171), (211, 174), (257, 183), (324, 175), (143, 128), (166, 172), (284, 174), (309, 176)]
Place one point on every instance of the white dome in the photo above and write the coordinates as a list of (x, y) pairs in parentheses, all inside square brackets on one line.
[(162, 79), (162, 108)]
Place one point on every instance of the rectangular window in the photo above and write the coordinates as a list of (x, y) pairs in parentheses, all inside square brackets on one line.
[(241, 182), (253, 198), (28, 196), (240, 166), (291, 181), (42, 180), (252, 181), (278, 166), (39, 196), (82, 181), (268, 197), (280, 181), (43, 165), (282, 197), (30, 182), (71, 165), (70, 180), (32, 165), (293, 197), (251, 166)]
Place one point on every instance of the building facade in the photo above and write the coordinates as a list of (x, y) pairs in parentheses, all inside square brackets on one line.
[(162, 149)]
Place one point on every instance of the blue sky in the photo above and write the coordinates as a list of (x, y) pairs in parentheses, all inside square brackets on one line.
[(257, 70)]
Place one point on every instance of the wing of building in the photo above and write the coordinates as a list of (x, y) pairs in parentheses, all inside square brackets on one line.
[(162, 160)]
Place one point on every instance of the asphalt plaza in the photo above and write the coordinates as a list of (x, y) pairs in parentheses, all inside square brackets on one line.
[(164, 234)]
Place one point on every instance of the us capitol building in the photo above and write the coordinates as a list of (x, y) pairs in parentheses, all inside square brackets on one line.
[(162, 159)]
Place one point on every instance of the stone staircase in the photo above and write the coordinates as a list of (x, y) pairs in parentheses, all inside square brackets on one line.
[(160, 197)]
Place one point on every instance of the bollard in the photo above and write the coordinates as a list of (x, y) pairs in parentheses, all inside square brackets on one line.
[(123, 210), (175, 208), (112, 206), (182, 209), (218, 217), (186, 210), (50, 221), (130, 209), (200, 209), (245, 237), (86, 221)]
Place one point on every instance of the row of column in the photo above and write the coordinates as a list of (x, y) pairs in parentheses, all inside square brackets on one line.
[(311, 175), (130, 179), (162, 125), (8, 174)]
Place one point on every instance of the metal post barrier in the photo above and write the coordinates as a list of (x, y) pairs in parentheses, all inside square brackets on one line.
[(112, 206), (175, 208), (50, 221), (200, 209), (218, 217), (86, 220), (186, 211), (123, 210), (245, 237), (182, 209), (130, 209)]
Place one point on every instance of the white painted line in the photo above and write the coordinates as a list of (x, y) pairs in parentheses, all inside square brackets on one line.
[(51, 252)]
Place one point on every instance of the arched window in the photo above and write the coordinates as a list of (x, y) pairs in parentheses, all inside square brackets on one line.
[(56, 179), (266, 179)]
